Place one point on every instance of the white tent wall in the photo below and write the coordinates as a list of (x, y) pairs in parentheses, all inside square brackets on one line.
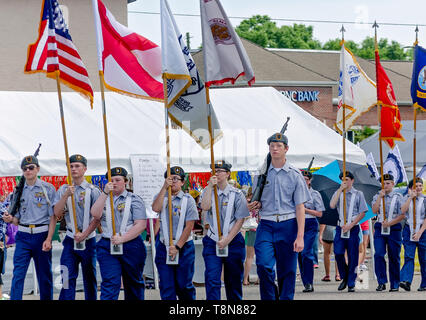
[(248, 116)]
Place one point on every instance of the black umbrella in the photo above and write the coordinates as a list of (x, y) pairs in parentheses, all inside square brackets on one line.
[(326, 181)]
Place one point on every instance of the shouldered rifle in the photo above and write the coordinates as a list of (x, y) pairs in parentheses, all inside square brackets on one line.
[(310, 164), (17, 193), (257, 194)]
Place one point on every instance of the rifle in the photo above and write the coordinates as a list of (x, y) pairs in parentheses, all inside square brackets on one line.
[(310, 164), (257, 194), (15, 202)]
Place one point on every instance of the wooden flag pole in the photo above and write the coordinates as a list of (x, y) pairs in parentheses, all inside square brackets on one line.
[(344, 139), (169, 189), (414, 146), (64, 134), (379, 118), (108, 160), (216, 199)]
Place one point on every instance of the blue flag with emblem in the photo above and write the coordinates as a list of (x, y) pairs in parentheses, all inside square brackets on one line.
[(418, 80)]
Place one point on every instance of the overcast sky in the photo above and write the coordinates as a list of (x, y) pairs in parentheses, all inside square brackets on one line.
[(389, 11)]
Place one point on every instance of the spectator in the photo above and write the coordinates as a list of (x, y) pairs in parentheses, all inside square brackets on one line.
[(363, 245), (250, 237), (3, 240), (326, 238)]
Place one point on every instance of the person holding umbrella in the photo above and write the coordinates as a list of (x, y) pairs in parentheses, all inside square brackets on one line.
[(391, 240), (313, 209), (413, 235), (347, 231)]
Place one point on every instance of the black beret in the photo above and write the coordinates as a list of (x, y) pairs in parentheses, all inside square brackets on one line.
[(388, 176), (117, 171), (177, 171), (307, 173), (418, 179), (348, 174), (78, 158), (29, 160), (222, 164), (278, 137)]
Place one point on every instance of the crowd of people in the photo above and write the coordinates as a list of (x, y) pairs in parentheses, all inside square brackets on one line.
[(279, 229)]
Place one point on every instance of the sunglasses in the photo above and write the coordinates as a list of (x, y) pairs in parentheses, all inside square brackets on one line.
[(31, 168), (220, 170)]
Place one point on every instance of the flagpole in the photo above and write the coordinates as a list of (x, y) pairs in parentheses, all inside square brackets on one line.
[(64, 134), (379, 118), (108, 160), (414, 145), (169, 189), (216, 199), (344, 137)]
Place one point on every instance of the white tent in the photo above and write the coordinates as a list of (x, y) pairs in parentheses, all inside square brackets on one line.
[(248, 116)]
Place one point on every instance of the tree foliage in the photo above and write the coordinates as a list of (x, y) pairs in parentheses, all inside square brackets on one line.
[(264, 32)]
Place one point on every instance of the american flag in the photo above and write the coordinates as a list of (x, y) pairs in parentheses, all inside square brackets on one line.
[(54, 52)]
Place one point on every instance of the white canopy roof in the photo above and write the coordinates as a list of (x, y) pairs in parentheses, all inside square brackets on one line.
[(248, 116)]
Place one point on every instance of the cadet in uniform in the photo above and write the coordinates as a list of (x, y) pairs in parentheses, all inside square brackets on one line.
[(279, 236), (130, 221), (232, 210), (313, 210), (390, 243), (175, 280), (85, 195), (413, 235), (35, 231), (356, 207)]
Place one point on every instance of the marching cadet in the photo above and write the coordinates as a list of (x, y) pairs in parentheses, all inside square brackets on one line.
[(347, 231), (175, 280), (232, 210), (279, 236), (413, 235), (85, 195), (121, 255), (389, 242), (36, 226), (313, 210)]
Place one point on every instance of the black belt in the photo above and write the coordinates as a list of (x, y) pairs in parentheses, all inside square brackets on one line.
[(32, 225)]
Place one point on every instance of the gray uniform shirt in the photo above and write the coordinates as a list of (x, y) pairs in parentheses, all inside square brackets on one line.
[(79, 199), (360, 204), (191, 211), (423, 208), (284, 189), (239, 211), (35, 208), (388, 199), (137, 212), (315, 203)]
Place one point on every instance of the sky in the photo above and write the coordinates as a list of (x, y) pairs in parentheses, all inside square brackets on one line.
[(383, 11)]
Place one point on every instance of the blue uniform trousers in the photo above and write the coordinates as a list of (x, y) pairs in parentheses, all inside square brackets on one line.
[(347, 271), (407, 270), (176, 280), (392, 244), (70, 259), (233, 269), (30, 246), (307, 257), (129, 265), (275, 246)]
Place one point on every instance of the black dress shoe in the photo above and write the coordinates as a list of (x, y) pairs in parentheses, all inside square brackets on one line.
[(381, 287), (393, 289), (421, 289), (351, 289), (308, 288), (343, 285), (405, 285)]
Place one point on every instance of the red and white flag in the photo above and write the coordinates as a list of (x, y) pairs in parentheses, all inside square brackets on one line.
[(131, 64), (54, 52), (224, 55)]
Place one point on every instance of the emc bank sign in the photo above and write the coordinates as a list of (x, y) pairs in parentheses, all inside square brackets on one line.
[(301, 96)]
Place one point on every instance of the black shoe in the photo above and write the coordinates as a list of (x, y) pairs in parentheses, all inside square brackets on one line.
[(381, 287), (393, 289), (351, 289), (308, 288), (343, 285), (421, 289), (405, 285)]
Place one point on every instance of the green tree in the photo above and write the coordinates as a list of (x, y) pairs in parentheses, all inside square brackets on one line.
[(360, 135)]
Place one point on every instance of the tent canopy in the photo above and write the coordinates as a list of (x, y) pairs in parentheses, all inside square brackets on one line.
[(371, 144), (248, 116)]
